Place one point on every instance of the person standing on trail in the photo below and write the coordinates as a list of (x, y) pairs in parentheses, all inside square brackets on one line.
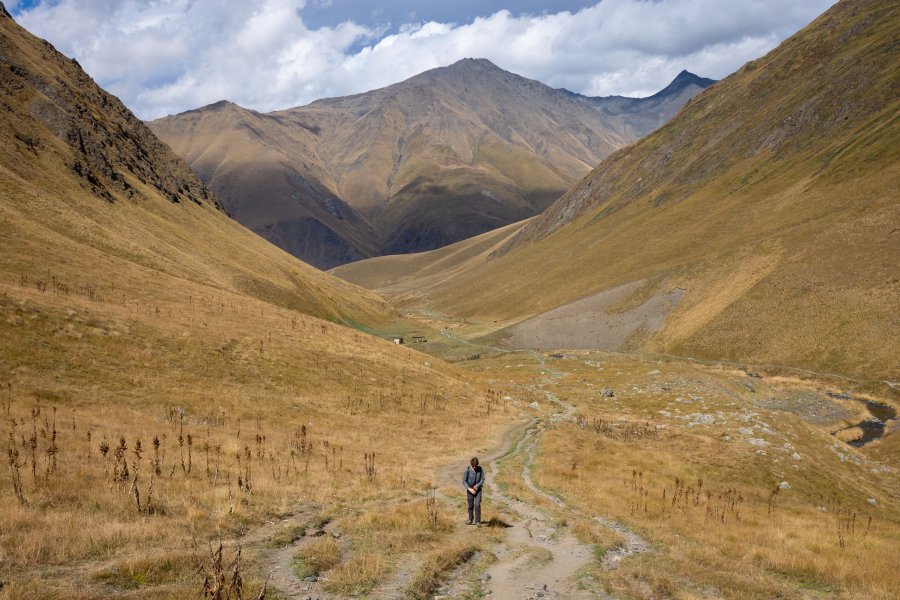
[(473, 481)]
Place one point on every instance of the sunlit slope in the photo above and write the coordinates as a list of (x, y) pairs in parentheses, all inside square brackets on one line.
[(89, 192), (769, 205), (399, 276)]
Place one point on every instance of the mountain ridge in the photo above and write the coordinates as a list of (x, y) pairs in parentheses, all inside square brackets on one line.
[(447, 154), (757, 226)]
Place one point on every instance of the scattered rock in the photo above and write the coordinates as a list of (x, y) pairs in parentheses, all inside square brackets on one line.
[(757, 442), (872, 501), (534, 405), (607, 393), (745, 431), (796, 456), (784, 485), (318, 532), (701, 419), (336, 535), (484, 577), (654, 372)]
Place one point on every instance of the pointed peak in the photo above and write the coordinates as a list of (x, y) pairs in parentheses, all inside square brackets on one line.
[(221, 104), (686, 75), (683, 80), (474, 63), (215, 106), (467, 69), (4, 12)]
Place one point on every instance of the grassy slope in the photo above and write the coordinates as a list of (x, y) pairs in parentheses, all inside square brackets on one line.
[(131, 306), (771, 198), (623, 457)]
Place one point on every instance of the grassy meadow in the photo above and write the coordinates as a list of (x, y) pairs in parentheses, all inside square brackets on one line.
[(736, 498), (137, 435)]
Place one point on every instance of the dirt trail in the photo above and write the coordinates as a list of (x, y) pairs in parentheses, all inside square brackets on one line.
[(538, 558)]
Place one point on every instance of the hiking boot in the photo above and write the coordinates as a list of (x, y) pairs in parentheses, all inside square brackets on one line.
[(470, 522)]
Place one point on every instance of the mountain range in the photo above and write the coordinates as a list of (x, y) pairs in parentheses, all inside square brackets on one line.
[(759, 225), (448, 154)]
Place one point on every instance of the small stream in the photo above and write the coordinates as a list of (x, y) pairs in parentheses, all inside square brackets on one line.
[(872, 428)]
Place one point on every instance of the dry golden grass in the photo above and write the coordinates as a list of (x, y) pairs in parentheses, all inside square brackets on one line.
[(702, 494), (243, 435), (317, 557), (436, 567)]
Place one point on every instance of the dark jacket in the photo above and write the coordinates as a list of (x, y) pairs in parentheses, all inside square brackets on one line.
[(473, 478)]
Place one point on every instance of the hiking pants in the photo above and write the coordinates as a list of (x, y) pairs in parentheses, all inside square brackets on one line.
[(474, 502)]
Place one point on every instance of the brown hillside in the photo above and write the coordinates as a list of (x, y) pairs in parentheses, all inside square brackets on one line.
[(127, 196), (168, 378), (443, 156), (768, 206)]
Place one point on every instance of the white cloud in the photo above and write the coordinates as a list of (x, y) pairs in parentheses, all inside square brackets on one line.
[(165, 56)]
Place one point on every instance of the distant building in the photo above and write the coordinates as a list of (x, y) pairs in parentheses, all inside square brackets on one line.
[(398, 340), (419, 339)]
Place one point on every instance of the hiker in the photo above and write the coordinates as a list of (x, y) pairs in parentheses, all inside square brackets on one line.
[(473, 480)]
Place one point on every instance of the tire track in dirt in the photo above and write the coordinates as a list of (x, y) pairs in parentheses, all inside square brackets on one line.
[(538, 559)]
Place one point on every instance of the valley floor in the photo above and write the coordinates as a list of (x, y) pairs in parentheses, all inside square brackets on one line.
[(614, 476), (623, 476)]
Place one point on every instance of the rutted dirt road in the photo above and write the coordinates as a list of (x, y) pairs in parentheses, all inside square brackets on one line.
[(538, 557)]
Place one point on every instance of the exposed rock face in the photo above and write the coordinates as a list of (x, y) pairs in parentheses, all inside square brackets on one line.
[(110, 147), (443, 156)]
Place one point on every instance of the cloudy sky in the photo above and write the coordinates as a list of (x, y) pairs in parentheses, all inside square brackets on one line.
[(166, 56)]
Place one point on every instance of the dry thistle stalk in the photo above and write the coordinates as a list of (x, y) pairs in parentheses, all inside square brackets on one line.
[(369, 466), (135, 491), (14, 467), (120, 468), (190, 445), (149, 497), (214, 584), (157, 462), (32, 442), (772, 497), (218, 455), (8, 404), (181, 452), (236, 585), (431, 507), (52, 448), (248, 474)]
